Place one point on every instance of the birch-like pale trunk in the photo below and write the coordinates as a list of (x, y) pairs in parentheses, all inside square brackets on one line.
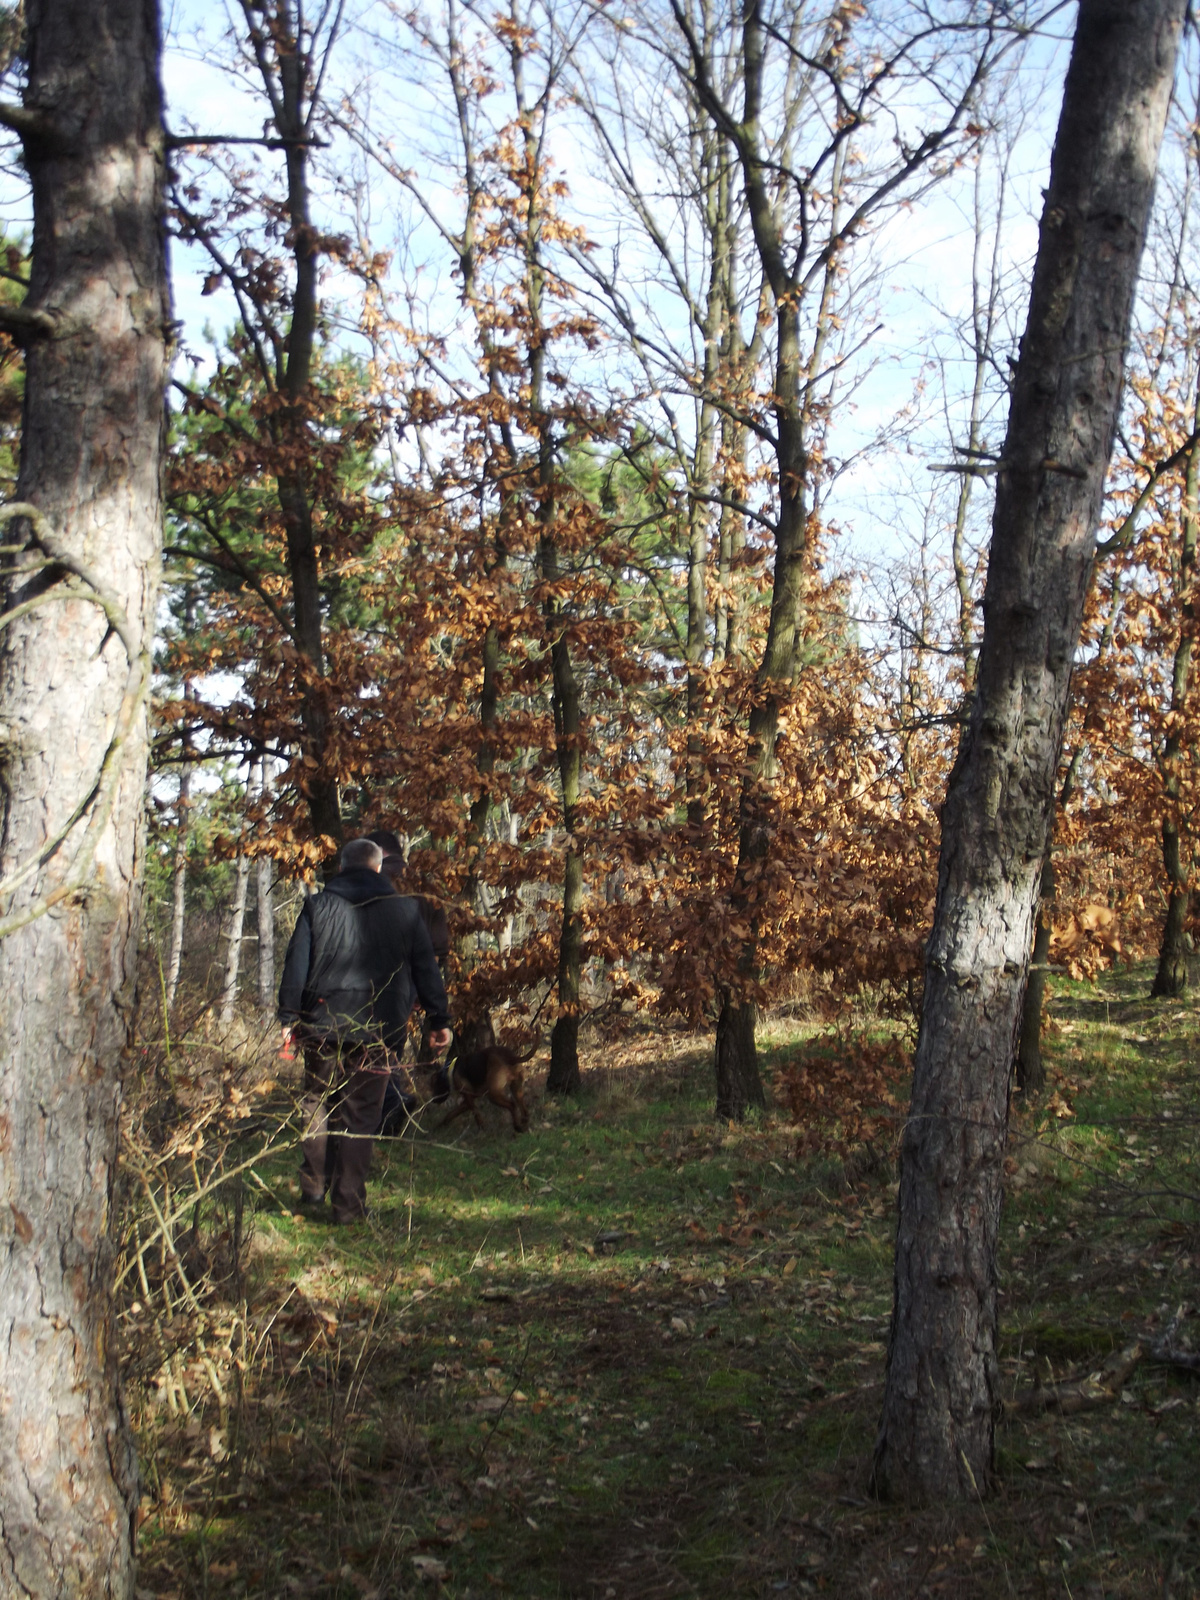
[(74, 675), (179, 885), (941, 1396), (265, 909), (233, 939)]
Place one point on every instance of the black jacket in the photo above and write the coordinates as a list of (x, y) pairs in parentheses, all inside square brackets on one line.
[(358, 959), (432, 914)]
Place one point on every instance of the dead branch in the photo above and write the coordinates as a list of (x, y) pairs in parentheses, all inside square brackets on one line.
[(1082, 1390)]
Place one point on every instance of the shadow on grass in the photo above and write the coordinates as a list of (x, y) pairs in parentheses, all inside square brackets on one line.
[(638, 1354)]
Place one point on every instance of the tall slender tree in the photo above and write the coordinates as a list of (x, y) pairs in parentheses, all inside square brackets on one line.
[(82, 561), (936, 1432), (265, 907), (280, 316), (809, 195)]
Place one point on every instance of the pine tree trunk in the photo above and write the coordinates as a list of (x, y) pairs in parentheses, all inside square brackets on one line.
[(233, 945), (73, 688), (936, 1433)]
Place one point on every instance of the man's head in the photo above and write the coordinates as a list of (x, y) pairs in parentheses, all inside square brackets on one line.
[(387, 841), (361, 853)]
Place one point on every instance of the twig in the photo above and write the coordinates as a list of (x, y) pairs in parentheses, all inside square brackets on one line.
[(180, 141), (167, 1220), (507, 1401)]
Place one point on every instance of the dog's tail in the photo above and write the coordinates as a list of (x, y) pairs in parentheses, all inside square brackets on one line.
[(529, 1054)]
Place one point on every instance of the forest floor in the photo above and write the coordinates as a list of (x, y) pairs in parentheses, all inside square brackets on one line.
[(636, 1353)]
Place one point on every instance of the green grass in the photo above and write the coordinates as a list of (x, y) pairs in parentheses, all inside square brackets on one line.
[(470, 1395)]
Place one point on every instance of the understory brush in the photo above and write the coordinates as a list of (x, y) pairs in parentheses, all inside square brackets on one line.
[(639, 1353)]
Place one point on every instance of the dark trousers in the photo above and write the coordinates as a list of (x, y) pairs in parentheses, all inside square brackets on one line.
[(341, 1105)]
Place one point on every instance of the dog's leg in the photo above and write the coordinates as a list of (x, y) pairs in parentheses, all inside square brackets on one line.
[(463, 1105), (519, 1106), (506, 1093)]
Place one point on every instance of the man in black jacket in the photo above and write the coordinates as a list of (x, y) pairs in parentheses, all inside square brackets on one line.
[(433, 915), (360, 957)]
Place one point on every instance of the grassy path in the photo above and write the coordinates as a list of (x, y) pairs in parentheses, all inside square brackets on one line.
[(636, 1354)]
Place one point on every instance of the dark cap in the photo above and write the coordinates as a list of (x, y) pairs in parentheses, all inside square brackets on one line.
[(387, 841)]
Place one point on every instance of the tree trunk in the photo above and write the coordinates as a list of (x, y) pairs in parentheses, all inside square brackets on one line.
[(1172, 974), (73, 687), (183, 830), (265, 911), (936, 1432), (233, 946), (564, 1040), (738, 1083), (739, 1086), (266, 936), (179, 885), (1031, 1069), (475, 844), (563, 1077), (704, 457), (291, 111)]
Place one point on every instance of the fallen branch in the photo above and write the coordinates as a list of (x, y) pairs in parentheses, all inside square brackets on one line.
[(1082, 1390)]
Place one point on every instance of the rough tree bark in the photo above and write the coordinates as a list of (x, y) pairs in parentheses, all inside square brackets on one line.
[(74, 675), (936, 1432)]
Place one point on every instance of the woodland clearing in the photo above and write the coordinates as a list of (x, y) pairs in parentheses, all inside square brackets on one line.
[(520, 524), (639, 1353)]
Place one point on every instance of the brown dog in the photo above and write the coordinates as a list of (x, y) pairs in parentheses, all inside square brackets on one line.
[(493, 1072)]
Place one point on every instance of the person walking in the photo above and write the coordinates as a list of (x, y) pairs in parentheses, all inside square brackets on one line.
[(433, 913), (359, 959), (401, 1100)]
